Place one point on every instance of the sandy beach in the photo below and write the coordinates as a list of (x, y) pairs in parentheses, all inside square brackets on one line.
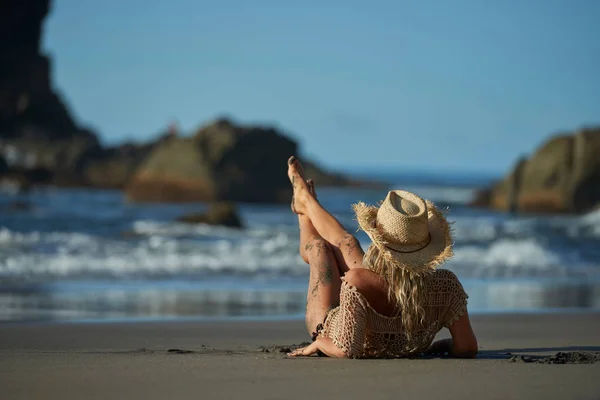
[(209, 360)]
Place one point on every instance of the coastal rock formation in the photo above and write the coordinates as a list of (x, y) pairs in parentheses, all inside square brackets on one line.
[(113, 167), (562, 176), (222, 161), (223, 213), (42, 144), (3, 166), (36, 129)]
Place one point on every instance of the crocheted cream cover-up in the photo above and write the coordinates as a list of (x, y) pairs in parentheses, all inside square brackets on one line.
[(361, 332)]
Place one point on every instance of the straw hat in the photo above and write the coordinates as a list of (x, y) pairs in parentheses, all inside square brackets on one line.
[(410, 233)]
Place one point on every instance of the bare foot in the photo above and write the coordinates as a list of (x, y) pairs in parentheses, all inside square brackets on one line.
[(301, 190), (311, 188)]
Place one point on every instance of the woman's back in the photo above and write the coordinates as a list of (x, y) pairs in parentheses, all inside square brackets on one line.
[(361, 330)]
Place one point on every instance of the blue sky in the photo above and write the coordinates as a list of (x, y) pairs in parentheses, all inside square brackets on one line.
[(452, 85)]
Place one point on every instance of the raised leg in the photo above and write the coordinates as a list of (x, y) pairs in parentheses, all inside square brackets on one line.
[(324, 278), (345, 246), (307, 230)]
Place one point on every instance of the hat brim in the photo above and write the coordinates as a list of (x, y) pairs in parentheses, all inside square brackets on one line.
[(426, 259)]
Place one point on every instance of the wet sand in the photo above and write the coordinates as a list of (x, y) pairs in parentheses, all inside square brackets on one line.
[(206, 360)]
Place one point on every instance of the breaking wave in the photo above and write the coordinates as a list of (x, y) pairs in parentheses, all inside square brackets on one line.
[(485, 247)]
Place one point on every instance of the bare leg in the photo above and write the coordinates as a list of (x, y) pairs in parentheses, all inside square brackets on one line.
[(307, 230), (337, 252), (324, 281), (345, 246)]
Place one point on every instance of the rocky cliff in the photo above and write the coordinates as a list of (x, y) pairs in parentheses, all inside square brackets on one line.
[(222, 161), (36, 129), (41, 143), (562, 176)]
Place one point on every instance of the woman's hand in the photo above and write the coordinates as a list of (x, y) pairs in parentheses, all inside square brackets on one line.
[(324, 344), (305, 351), (440, 348), (448, 347)]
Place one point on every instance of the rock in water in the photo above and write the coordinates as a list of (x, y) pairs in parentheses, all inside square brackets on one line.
[(223, 213), (222, 161), (562, 176)]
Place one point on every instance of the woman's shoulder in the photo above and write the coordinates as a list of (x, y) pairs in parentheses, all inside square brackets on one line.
[(444, 274), (444, 280)]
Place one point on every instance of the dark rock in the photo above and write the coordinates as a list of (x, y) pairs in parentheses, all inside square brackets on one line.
[(3, 166), (562, 176), (222, 161), (22, 179), (113, 167), (36, 128), (61, 158), (28, 106), (223, 213), (15, 181)]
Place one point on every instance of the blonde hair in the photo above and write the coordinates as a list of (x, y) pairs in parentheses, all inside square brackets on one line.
[(405, 288)]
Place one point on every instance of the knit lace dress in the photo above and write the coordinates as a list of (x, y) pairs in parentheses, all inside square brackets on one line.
[(361, 332)]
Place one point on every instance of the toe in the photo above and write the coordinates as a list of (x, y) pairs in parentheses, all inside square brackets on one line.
[(294, 169)]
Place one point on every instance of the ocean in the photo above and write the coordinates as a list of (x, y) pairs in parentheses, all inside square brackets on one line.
[(89, 255)]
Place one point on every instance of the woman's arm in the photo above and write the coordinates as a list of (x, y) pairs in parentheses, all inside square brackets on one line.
[(463, 343)]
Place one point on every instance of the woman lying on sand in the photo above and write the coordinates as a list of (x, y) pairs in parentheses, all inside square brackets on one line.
[(390, 302)]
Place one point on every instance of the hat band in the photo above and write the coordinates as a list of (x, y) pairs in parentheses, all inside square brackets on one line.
[(425, 244)]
